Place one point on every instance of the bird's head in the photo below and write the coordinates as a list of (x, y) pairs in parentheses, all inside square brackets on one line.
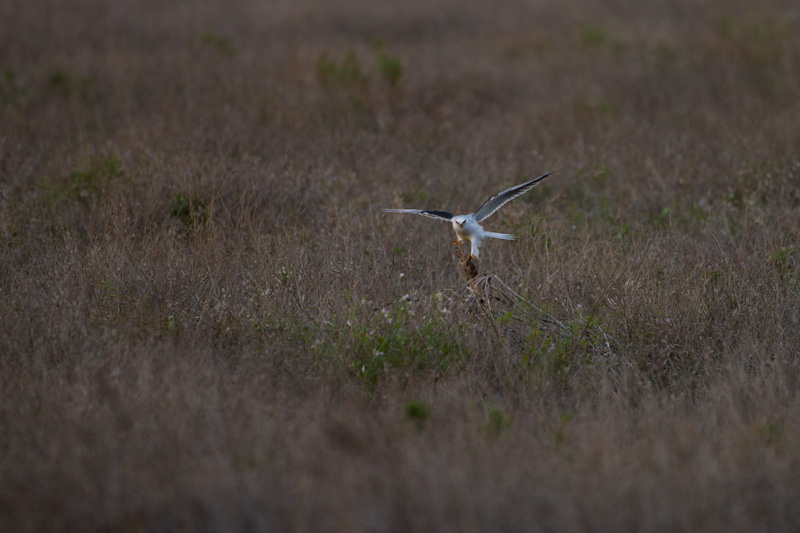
[(460, 220)]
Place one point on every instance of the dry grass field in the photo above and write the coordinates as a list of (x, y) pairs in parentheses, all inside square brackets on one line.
[(206, 323)]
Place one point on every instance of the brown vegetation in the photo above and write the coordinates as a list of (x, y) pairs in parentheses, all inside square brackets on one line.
[(206, 323)]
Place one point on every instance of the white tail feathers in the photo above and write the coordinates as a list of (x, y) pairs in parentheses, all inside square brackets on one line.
[(504, 236)]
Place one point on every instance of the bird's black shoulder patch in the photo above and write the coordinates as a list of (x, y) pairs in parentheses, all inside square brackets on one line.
[(441, 214)]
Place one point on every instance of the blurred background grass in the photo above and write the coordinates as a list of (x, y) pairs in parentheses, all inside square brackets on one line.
[(207, 324)]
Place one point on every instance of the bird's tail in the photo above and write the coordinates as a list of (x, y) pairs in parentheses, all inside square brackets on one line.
[(504, 236)]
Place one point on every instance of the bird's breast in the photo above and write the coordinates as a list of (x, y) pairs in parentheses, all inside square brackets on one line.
[(465, 231)]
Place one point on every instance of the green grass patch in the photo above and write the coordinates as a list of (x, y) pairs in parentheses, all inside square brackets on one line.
[(189, 209), (593, 35), (418, 412), (390, 67), (352, 75), (398, 341), (220, 43), (87, 182), (497, 422), (347, 74)]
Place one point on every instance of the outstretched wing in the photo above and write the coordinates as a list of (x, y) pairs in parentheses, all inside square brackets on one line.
[(497, 201), (441, 215)]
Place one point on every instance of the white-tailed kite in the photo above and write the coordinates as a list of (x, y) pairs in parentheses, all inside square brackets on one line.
[(467, 227)]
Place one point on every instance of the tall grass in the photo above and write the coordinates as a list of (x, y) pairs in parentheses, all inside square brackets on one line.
[(206, 323)]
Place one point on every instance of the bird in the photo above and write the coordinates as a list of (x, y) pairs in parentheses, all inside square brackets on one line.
[(467, 227)]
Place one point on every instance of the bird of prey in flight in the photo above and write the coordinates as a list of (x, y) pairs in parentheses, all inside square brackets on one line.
[(467, 227)]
